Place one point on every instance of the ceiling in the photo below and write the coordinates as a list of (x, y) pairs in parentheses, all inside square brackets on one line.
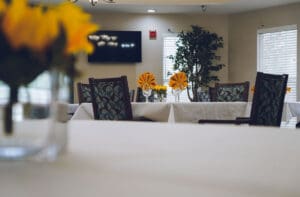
[(183, 6)]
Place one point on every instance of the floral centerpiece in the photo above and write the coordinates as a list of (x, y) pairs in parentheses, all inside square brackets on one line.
[(146, 82), (178, 82), (161, 91), (38, 37)]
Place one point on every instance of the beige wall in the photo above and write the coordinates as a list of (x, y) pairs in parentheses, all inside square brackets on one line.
[(151, 49), (243, 38), (238, 30)]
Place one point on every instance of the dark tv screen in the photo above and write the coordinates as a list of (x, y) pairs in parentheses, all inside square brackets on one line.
[(116, 46)]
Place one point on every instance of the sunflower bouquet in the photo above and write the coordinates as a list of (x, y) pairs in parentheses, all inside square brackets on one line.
[(39, 37), (146, 81), (161, 91), (178, 81)]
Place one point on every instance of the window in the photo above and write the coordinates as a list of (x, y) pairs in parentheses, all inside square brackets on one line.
[(169, 48), (38, 91), (277, 53), (3, 93)]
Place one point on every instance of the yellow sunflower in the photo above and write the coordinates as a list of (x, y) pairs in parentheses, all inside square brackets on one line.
[(36, 28), (77, 25), (2, 6)]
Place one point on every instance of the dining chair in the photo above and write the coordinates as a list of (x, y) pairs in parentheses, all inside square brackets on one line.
[(110, 98), (212, 91), (84, 93), (298, 125), (267, 104), (230, 92), (131, 95)]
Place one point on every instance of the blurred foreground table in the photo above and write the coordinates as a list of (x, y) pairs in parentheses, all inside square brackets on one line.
[(145, 159)]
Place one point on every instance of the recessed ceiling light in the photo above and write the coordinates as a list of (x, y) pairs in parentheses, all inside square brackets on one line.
[(151, 10)]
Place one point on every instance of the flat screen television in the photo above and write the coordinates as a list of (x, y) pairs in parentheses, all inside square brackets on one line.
[(116, 47)]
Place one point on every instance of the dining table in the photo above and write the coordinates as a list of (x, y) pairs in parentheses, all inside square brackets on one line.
[(159, 112), (186, 112), (293, 110), (146, 159), (181, 112)]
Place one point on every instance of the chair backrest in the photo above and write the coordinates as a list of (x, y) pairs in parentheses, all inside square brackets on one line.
[(140, 97), (110, 98), (268, 99), (226, 92), (212, 91), (131, 95), (84, 93)]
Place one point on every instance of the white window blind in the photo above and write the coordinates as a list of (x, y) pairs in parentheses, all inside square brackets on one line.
[(169, 48), (277, 54)]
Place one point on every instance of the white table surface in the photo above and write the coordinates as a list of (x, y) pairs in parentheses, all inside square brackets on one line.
[(177, 112), (294, 109), (155, 111), (143, 159), (194, 111)]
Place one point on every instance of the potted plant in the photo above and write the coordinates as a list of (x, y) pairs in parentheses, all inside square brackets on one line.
[(196, 56)]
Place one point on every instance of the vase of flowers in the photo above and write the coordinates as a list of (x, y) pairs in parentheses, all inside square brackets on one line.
[(178, 82), (146, 82), (161, 92), (38, 39)]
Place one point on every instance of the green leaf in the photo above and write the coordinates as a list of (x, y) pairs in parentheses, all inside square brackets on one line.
[(196, 51)]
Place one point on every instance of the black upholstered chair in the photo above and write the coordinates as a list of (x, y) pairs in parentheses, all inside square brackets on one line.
[(212, 91), (110, 98), (267, 104), (84, 93), (228, 92), (140, 97), (131, 95)]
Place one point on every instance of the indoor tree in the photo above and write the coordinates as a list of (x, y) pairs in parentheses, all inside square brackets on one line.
[(196, 56)]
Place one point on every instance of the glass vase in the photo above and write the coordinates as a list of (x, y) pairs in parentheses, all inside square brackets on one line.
[(176, 93), (146, 93), (34, 126)]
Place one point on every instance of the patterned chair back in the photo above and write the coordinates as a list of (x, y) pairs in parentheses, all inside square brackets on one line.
[(84, 93), (268, 99), (110, 98), (132, 94), (227, 92)]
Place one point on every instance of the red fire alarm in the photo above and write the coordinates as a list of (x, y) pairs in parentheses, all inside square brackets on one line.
[(152, 34)]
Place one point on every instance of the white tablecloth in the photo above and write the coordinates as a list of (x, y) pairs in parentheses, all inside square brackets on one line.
[(142, 159), (293, 109), (155, 111), (177, 112), (192, 112)]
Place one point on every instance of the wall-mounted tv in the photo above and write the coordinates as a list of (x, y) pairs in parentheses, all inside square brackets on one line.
[(116, 47)]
